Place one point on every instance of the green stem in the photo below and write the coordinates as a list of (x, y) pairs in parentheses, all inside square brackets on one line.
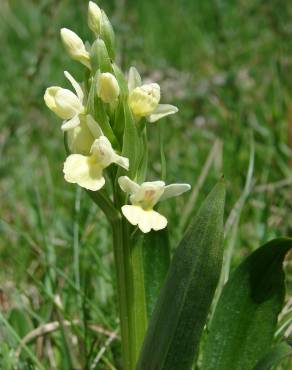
[(131, 293), (128, 254)]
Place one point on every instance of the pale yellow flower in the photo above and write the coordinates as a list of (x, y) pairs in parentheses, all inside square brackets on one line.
[(143, 198), (65, 103), (144, 99), (87, 171), (75, 47), (107, 87)]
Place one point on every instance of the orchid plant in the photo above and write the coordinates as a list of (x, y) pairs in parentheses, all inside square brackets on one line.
[(105, 123)]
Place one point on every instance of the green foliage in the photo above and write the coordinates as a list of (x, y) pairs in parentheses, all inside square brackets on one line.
[(227, 75), (179, 317), (274, 356), (245, 318), (156, 255)]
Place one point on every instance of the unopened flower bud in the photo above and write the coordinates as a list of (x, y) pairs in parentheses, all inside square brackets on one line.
[(75, 46), (94, 17), (144, 100), (107, 87)]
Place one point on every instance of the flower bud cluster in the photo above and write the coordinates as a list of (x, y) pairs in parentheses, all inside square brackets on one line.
[(105, 124)]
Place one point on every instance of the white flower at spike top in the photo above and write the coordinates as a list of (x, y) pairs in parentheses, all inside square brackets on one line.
[(65, 103), (75, 47), (144, 197), (87, 171), (144, 99)]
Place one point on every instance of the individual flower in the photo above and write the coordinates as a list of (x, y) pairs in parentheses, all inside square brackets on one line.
[(65, 103), (144, 99), (75, 47), (87, 171), (107, 87), (143, 198)]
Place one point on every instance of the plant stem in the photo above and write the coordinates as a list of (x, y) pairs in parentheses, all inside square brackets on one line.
[(128, 254), (131, 292)]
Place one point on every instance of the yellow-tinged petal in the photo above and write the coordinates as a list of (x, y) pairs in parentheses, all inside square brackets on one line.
[(174, 190), (107, 87), (105, 155), (71, 123), (75, 85), (148, 194), (144, 100), (161, 111), (63, 102), (93, 127), (67, 104), (144, 219), (80, 138), (49, 97), (128, 185), (82, 170)]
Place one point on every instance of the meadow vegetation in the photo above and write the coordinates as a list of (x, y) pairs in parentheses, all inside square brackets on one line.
[(227, 66)]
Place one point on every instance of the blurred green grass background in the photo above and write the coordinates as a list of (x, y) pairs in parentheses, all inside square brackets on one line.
[(225, 64)]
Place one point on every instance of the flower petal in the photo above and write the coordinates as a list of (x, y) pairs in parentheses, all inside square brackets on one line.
[(49, 97), (174, 190), (134, 79), (146, 220), (149, 194), (83, 171), (121, 161), (75, 85), (71, 123), (67, 104), (127, 185), (161, 111), (80, 138)]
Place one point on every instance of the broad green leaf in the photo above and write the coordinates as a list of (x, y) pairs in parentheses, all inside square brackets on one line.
[(245, 318), (156, 255), (180, 314), (274, 356)]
